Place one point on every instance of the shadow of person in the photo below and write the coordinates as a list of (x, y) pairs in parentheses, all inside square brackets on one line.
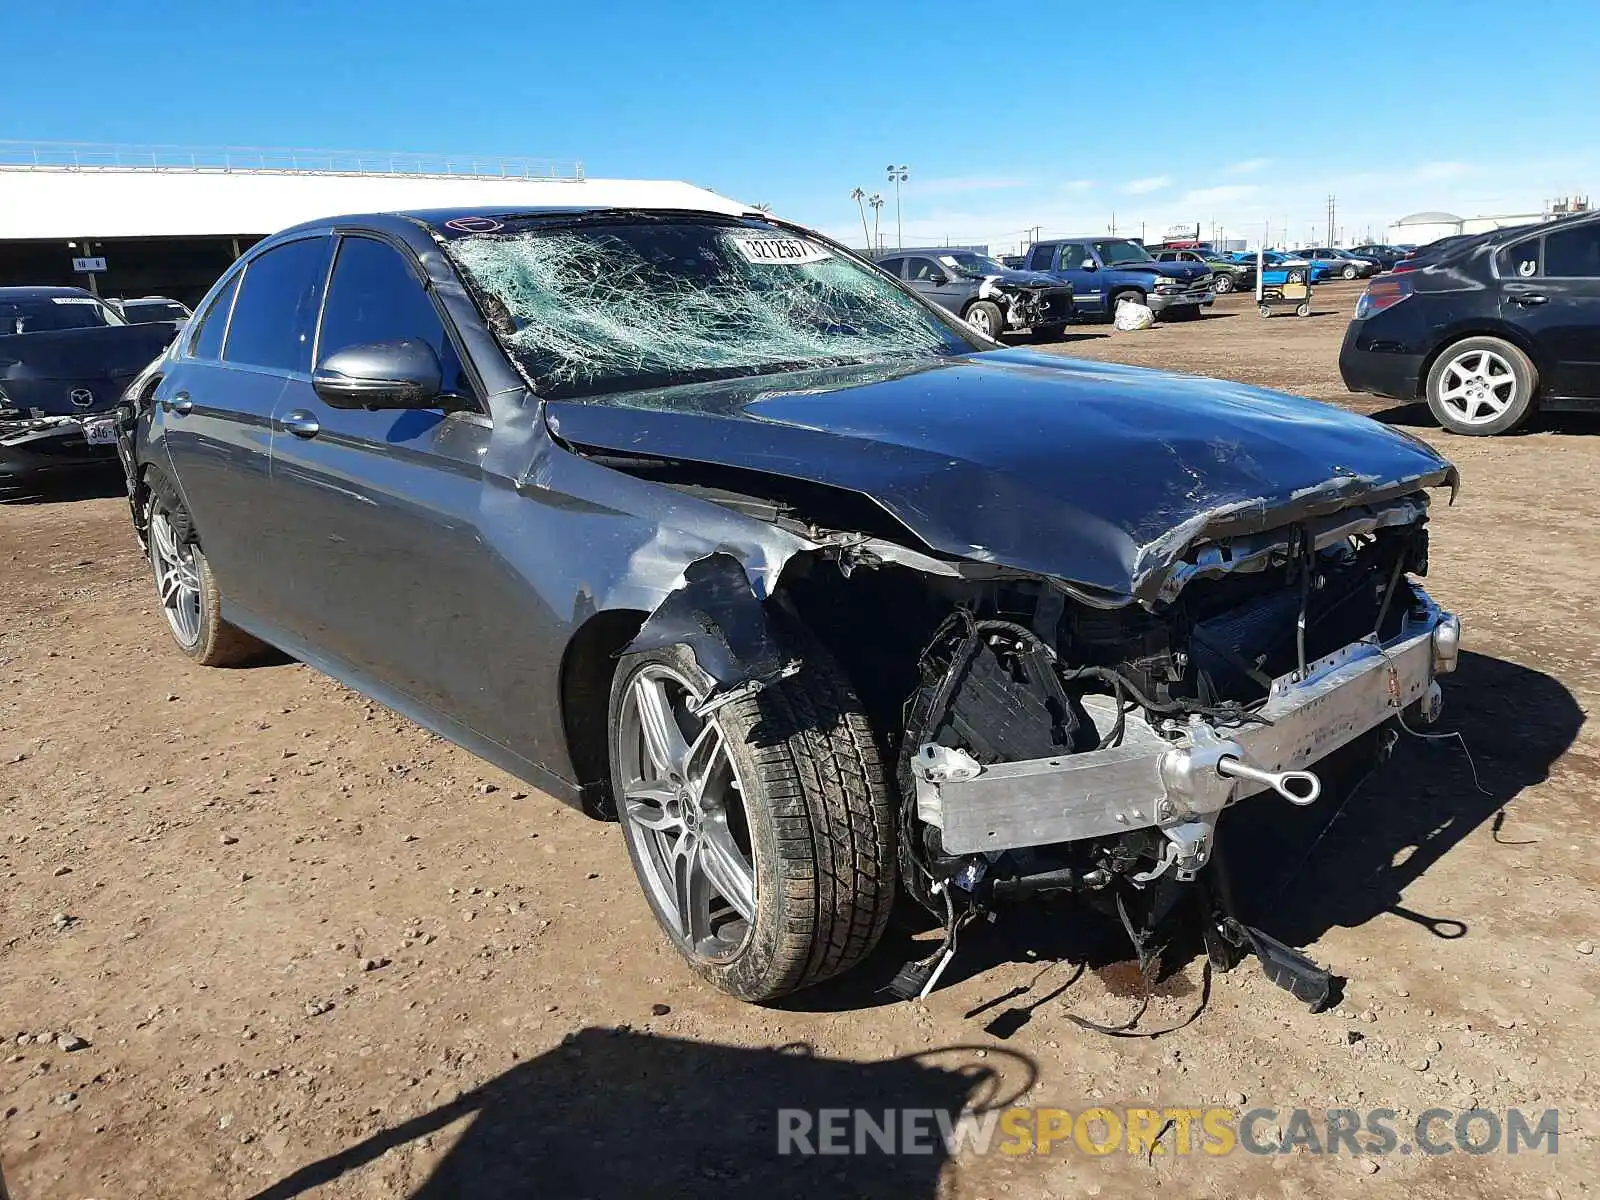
[(615, 1113), (1297, 872)]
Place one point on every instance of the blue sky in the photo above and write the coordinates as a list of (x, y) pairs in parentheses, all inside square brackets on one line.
[(1009, 117)]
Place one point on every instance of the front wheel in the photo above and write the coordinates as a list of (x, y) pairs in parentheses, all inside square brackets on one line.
[(1350, 271), (1223, 285), (1482, 386), (762, 832), (186, 589), (987, 319)]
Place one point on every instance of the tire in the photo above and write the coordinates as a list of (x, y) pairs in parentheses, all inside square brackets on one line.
[(193, 609), (1481, 386), (1223, 284), (986, 317), (1302, 310), (1350, 271), (1264, 309), (1133, 294), (808, 809)]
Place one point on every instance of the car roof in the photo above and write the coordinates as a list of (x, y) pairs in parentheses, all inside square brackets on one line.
[(41, 292), (477, 220)]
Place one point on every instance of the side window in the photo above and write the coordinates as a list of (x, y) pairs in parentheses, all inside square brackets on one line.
[(277, 307), (922, 270), (374, 296), (1519, 260), (1573, 253), (1039, 258), (207, 342), (1073, 256), (891, 266)]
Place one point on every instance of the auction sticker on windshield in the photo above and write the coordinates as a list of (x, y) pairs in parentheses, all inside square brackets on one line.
[(779, 251)]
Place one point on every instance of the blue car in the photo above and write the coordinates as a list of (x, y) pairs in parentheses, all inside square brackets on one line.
[(1276, 263)]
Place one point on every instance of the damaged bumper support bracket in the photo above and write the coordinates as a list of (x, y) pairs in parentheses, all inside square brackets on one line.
[(1180, 784)]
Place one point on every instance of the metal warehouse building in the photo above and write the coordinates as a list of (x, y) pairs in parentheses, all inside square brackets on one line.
[(168, 220)]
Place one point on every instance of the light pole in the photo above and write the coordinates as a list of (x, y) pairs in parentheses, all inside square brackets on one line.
[(859, 196), (875, 202), (897, 176)]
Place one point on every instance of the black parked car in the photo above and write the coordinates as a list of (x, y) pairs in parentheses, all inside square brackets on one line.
[(987, 295), (65, 358), (702, 522), (1384, 256), (1487, 330)]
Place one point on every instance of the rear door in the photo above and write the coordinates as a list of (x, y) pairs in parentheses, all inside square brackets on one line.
[(215, 408), (378, 512), (1550, 288)]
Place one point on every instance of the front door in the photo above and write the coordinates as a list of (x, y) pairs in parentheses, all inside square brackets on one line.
[(1550, 288), (380, 510), (937, 282)]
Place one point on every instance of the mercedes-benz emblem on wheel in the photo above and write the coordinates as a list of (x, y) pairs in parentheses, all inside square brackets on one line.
[(81, 397)]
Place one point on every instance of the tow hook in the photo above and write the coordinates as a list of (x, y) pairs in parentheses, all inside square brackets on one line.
[(1300, 788)]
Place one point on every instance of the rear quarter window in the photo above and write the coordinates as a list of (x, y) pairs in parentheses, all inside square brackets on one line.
[(1519, 260), (213, 323)]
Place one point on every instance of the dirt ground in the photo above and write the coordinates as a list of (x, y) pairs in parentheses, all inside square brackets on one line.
[(314, 950)]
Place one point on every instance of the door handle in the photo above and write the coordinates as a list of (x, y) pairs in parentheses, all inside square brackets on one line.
[(1529, 298), (180, 404), (301, 423)]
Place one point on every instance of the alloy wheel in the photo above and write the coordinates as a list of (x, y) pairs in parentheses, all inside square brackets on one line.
[(682, 807), (177, 579), (978, 318), (1477, 387)]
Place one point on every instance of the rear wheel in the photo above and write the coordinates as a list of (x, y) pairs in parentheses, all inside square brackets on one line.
[(1482, 386), (987, 319), (762, 832), (1350, 271), (186, 589)]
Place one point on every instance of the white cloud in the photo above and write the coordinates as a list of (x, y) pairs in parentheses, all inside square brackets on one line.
[(1248, 167), (1211, 197), (1141, 187)]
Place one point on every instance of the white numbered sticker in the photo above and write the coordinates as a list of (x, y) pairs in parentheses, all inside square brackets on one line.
[(73, 300), (779, 251)]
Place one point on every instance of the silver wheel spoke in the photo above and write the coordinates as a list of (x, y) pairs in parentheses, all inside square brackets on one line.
[(690, 890), (725, 867), (662, 738)]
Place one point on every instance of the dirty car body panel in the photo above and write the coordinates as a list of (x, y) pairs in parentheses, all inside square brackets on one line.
[(1049, 580)]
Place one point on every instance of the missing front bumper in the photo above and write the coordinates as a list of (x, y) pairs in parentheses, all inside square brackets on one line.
[(1180, 780)]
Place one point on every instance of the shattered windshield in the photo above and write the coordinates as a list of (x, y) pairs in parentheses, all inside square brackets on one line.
[(972, 264), (1115, 253), (604, 307)]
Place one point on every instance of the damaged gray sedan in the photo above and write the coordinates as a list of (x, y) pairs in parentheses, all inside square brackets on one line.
[(698, 521)]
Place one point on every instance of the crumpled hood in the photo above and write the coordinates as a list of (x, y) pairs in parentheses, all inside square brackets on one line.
[(1024, 278), (1096, 474)]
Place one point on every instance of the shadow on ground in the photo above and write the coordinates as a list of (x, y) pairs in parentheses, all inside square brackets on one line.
[(1418, 416), (615, 1114), (96, 483)]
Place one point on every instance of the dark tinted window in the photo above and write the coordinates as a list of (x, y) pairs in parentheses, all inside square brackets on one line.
[(46, 314), (1573, 253), (277, 305), (1039, 258), (1519, 260), (141, 312), (922, 270), (1073, 256), (891, 265), (374, 296), (214, 323)]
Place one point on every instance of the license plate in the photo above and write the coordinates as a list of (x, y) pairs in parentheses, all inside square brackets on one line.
[(100, 433)]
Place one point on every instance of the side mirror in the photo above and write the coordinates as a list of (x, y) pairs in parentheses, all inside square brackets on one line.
[(938, 280), (1088, 264), (398, 374)]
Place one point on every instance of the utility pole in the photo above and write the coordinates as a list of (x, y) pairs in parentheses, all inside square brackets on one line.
[(897, 176), (1333, 205), (1113, 222)]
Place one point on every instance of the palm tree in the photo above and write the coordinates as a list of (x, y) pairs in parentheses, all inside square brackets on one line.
[(858, 196), (876, 201), (763, 208)]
